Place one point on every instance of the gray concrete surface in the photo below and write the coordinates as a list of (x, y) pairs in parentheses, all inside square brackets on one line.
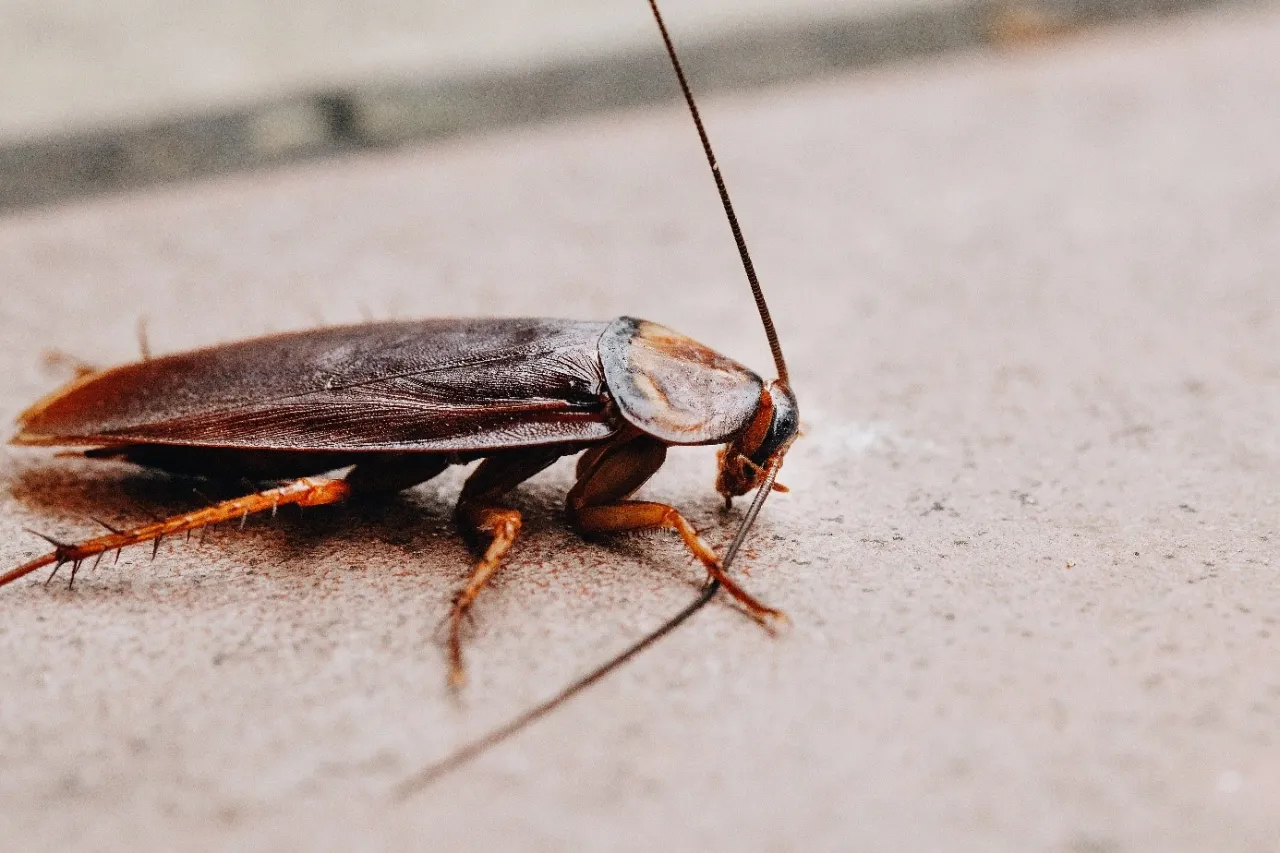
[(1030, 552), (98, 62), (98, 97)]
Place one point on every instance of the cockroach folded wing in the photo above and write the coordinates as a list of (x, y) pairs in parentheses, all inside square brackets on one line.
[(431, 385)]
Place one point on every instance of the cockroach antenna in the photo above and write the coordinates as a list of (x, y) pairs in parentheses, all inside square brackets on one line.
[(784, 425), (473, 750), (757, 292)]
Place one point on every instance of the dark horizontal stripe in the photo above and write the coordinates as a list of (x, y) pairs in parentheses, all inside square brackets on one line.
[(339, 121)]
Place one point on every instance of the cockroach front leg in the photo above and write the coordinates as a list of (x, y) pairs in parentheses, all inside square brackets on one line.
[(598, 504), (481, 518)]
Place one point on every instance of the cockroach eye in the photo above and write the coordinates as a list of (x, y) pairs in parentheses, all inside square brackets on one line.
[(783, 427)]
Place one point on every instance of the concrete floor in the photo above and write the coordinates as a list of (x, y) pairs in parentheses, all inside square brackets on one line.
[(1031, 548), (84, 63)]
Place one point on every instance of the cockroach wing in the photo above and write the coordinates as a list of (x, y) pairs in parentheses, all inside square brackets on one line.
[(673, 387), (431, 385)]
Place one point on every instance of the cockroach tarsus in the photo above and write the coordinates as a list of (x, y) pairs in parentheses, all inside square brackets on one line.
[(397, 403)]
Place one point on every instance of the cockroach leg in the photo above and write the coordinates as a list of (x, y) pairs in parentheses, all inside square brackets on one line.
[(628, 516), (308, 491), (481, 518), (597, 504), (503, 526)]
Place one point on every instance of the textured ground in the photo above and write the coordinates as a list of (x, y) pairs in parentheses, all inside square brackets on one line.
[(84, 63), (1030, 553)]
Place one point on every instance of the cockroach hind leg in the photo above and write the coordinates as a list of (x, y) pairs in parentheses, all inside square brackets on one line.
[(311, 491)]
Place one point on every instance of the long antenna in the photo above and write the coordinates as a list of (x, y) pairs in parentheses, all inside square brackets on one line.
[(486, 742), (756, 292), (425, 777)]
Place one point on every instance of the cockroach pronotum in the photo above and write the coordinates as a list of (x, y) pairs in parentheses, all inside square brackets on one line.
[(396, 403)]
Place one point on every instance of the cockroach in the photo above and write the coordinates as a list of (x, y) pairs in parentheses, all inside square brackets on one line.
[(396, 403)]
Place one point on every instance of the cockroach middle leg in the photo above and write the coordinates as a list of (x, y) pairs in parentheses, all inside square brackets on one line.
[(598, 504), (480, 517), (502, 526), (308, 491)]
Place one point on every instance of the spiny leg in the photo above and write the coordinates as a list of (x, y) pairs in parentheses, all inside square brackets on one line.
[(385, 472), (480, 517), (307, 491), (598, 504)]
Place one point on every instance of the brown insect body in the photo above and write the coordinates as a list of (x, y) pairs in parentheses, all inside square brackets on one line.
[(402, 401), (322, 398)]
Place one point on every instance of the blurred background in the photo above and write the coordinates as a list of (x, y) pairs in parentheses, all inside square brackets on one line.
[(101, 95)]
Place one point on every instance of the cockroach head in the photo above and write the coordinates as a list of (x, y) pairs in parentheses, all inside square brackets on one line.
[(761, 446)]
